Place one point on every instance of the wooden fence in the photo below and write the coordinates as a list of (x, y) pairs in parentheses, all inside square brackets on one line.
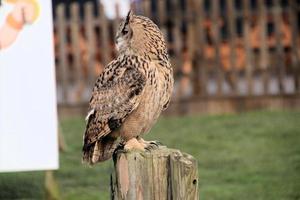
[(219, 49)]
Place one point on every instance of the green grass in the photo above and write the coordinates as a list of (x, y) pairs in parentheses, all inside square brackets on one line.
[(253, 155)]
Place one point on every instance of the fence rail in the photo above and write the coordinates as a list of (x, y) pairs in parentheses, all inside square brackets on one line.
[(219, 48)]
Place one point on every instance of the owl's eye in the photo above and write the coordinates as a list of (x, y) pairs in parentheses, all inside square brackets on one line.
[(124, 31)]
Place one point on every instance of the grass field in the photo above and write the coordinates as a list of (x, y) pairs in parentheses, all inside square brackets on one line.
[(246, 156)]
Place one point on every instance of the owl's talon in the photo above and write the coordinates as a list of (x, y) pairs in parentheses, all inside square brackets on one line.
[(157, 143), (119, 149), (151, 146), (133, 144)]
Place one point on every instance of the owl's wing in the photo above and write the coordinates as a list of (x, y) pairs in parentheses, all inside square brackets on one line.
[(116, 94)]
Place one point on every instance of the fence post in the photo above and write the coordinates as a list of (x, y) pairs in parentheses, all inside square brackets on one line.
[(216, 38), (146, 8), (280, 64), (76, 51), (264, 48), (293, 18), (247, 46), (200, 67), (89, 26), (62, 51), (160, 174), (232, 44), (105, 53)]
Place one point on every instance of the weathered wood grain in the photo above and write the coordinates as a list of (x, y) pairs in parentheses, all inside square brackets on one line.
[(160, 174)]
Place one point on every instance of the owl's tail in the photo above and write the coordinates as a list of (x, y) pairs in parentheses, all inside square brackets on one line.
[(100, 150)]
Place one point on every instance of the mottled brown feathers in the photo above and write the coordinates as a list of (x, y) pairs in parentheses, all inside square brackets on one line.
[(115, 95), (132, 90)]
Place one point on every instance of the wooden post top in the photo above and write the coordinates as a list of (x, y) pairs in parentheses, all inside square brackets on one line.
[(162, 173)]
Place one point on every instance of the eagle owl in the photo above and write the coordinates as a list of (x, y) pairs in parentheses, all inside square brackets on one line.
[(130, 93)]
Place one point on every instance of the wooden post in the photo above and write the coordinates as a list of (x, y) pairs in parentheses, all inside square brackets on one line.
[(160, 174), (193, 79), (76, 51), (293, 19), (247, 46), (51, 187), (91, 41), (62, 51), (280, 64), (105, 53), (116, 23), (161, 4), (177, 45), (232, 44), (146, 8), (200, 67), (264, 48), (216, 38)]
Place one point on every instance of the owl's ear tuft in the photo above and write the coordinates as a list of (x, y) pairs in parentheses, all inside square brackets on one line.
[(129, 17), (126, 30)]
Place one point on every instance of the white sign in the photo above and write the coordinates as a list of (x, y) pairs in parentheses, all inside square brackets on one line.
[(28, 115)]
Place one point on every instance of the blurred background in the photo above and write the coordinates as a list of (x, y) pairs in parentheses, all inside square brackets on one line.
[(235, 106)]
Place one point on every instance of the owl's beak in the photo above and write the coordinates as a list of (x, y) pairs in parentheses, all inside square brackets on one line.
[(118, 42)]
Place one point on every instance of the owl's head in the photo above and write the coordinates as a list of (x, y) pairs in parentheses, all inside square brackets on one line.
[(139, 35)]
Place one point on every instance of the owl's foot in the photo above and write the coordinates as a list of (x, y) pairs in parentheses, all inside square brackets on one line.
[(133, 144), (119, 149), (150, 145)]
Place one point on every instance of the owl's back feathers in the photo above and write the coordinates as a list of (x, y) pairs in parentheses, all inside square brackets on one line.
[(116, 94)]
